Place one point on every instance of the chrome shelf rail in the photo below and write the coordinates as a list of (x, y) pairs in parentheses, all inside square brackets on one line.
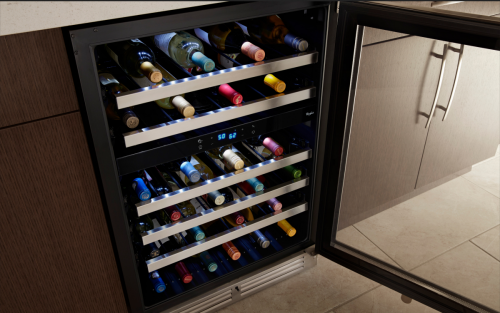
[(219, 239), (163, 130), (190, 84), (163, 201), (223, 210)]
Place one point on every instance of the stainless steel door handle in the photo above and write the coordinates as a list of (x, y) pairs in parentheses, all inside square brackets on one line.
[(440, 82), (457, 73)]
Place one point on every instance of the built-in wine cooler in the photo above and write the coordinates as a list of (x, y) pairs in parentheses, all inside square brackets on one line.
[(215, 131)]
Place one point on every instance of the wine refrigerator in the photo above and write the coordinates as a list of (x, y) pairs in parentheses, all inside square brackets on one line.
[(222, 178)]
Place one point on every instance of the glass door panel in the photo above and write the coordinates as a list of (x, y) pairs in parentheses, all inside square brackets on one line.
[(421, 178)]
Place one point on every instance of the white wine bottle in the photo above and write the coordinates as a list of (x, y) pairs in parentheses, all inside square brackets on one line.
[(184, 49)]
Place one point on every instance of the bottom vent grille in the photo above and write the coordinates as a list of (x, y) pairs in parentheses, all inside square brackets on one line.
[(210, 303), (272, 277)]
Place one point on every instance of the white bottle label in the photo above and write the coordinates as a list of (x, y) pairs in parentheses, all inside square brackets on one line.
[(156, 225), (106, 79), (244, 28), (147, 176), (193, 161), (203, 35), (163, 41)]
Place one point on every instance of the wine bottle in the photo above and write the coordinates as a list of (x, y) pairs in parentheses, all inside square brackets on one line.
[(277, 84), (230, 94), (205, 256), (135, 58), (111, 87), (236, 217), (265, 146), (215, 227), (272, 30), (188, 172), (174, 102), (184, 49), (142, 225), (230, 158), (140, 189), (229, 38), (154, 181), (172, 279), (274, 203), (273, 150), (157, 282), (186, 209), (287, 228)]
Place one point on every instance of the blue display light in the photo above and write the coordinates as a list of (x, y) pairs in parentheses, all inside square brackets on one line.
[(223, 136)]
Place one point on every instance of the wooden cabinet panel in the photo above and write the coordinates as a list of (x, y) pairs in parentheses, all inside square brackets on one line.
[(56, 250), (396, 83), (471, 131), (35, 77)]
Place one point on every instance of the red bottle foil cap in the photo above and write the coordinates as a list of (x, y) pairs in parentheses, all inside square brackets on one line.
[(173, 213), (252, 51), (231, 250), (229, 93), (183, 272), (238, 218), (274, 204), (273, 146)]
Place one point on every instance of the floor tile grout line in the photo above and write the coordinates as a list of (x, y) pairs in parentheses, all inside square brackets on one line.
[(470, 240), (437, 256), (470, 181), (351, 300), (378, 247)]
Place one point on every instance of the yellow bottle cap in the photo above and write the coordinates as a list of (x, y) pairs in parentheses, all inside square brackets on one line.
[(183, 106), (275, 83), (287, 228)]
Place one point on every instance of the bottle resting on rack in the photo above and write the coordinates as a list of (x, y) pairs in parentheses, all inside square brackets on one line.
[(184, 49), (135, 58), (206, 174), (254, 182), (215, 227), (112, 87), (229, 38), (269, 149), (277, 84), (173, 102), (272, 30), (226, 154)]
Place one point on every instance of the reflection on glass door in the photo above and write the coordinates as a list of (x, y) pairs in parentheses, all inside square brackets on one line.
[(421, 185)]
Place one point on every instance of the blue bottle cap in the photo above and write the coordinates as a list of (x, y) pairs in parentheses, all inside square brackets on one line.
[(296, 42), (192, 174), (208, 261), (157, 282), (141, 190), (197, 233), (256, 184), (202, 61), (261, 239)]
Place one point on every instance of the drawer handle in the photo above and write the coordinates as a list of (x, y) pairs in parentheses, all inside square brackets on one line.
[(457, 73), (440, 82)]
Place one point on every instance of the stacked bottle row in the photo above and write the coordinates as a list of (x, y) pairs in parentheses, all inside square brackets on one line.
[(170, 177), (230, 45)]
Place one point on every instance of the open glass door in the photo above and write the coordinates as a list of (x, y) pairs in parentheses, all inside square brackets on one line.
[(410, 153)]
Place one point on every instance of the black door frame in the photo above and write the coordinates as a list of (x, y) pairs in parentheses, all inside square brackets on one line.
[(431, 23)]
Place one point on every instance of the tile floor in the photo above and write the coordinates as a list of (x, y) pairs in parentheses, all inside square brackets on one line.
[(449, 235)]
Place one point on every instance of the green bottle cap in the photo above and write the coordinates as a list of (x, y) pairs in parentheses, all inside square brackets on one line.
[(197, 233), (208, 261), (294, 172), (202, 61)]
